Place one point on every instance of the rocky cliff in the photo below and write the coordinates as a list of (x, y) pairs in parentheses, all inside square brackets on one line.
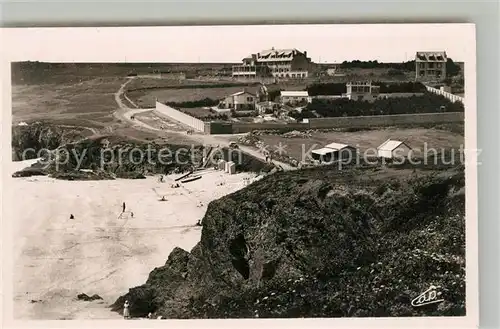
[(31, 139), (320, 242)]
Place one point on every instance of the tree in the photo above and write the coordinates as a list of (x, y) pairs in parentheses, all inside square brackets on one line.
[(452, 69)]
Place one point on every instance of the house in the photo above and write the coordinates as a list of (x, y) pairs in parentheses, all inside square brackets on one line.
[(334, 152), (278, 63), (240, 101), (430, 65), (294, 97), (393, 149), (267, 107), (362, 91)]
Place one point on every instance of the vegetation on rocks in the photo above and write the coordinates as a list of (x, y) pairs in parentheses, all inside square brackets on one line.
[(321, 242), (29, 140), (192, 104)]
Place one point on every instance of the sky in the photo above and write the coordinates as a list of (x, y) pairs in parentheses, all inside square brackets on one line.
[(323, 43)]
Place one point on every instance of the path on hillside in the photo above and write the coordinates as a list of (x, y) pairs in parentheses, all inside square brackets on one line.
[(125, 113)]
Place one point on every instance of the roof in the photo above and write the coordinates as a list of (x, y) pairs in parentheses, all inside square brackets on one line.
[(323, 151), (271, 55), (390, 145), (431, 56), (297, 93), (242, 93), (336, 146)]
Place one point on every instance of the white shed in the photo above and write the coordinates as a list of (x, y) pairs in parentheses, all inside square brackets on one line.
[(230, 167), (334, 152), (221, 165), (393, 149)]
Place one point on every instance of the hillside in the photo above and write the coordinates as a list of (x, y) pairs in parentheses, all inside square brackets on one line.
[(320, 243), (108, 157)]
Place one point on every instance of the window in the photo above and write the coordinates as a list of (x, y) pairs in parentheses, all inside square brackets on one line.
[(293, 75), (249, 99), (422, 73)]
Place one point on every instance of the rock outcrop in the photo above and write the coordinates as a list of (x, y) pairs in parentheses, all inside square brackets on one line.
[(29, 140), (320, 243)]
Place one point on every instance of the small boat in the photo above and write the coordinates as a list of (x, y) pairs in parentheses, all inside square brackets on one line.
[(184, 176), (190, 179)]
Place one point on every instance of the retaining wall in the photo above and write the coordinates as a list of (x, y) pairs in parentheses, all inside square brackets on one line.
[(239, 128), (176, 115), (339, 122)]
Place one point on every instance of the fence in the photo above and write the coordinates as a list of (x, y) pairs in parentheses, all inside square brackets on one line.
[(173, 114), (446, 94)]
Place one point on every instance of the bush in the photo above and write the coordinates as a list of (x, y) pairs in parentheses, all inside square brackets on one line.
[(427, 103), (192, 104)]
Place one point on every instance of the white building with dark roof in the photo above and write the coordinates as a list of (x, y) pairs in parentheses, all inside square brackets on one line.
[(430, 65), (393, 149), (240, 101), (279, 63)]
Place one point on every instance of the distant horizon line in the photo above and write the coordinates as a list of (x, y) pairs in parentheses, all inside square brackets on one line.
[(200, 62)]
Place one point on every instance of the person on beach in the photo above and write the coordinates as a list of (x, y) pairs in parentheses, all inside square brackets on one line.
[(123, 207), (131, 214), (71, 216), (126, 312)]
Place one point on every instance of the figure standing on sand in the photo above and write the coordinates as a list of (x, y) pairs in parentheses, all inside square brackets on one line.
[(123, 207), (126, 312)]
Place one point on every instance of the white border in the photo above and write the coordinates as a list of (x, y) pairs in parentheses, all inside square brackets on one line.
[(109, 45)]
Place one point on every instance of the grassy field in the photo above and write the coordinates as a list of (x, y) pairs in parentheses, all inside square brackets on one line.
[(88, 103), (198, 112), (416, 138), (146, 98)]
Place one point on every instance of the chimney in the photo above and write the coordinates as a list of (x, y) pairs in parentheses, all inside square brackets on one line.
[(305, 54)]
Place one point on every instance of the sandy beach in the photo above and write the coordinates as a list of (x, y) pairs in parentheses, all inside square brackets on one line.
[(100, 251)]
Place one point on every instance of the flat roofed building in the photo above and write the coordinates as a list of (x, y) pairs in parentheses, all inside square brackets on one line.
[(294, 97), (430, 65), (362, 91), (393, 149)]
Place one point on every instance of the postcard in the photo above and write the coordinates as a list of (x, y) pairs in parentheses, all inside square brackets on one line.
[(248, 175)]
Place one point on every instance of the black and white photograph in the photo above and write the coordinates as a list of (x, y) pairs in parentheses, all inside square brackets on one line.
[(308, 171)]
